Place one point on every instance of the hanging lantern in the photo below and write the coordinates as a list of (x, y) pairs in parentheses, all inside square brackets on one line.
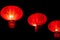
[(36, 20), (54, 26), (11, 14)]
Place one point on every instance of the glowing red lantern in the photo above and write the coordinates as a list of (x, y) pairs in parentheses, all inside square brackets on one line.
[(54, 26), (36, 20), (11, 14)]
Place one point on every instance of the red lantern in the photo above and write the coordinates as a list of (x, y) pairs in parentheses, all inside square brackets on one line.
[(54, 26), (36, 20), (11, 14)]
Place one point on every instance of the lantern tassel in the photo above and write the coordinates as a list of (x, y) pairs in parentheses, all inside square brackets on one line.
[(11, 24), (56, 35), (36, 29)]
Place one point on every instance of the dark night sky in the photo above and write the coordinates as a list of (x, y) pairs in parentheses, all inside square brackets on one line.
[(22, 27)]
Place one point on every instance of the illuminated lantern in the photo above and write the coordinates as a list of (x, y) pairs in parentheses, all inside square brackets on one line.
[(11, 14), (36, 20), (54, 26)]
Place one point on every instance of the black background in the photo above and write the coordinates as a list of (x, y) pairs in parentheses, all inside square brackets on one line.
[(22, 28)]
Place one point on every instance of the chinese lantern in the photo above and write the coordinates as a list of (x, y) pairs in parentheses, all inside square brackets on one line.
[(11, 14), (54, 26), (36, 20)]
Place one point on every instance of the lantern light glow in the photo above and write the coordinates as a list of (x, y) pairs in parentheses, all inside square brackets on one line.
[(11, 14), (36, 20), (54, 26)]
